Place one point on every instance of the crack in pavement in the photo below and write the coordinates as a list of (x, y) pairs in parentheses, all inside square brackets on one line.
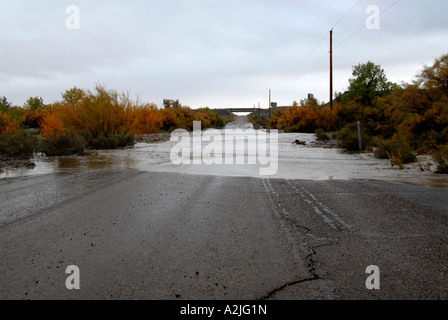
[(304, 239), (292, 283)]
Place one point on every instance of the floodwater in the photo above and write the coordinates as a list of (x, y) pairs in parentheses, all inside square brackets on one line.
[(309, 162)]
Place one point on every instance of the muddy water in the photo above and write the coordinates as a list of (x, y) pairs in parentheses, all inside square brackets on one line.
[(310, 162)]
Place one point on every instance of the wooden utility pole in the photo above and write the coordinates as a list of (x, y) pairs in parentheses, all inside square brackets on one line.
[(331, 69)]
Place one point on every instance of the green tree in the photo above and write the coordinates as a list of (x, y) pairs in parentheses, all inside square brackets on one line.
[(5, 105), (435, 76), (73, 96), (369, 81), (34, 103)]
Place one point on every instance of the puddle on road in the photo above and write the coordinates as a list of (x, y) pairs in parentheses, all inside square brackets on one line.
[(295, 162)]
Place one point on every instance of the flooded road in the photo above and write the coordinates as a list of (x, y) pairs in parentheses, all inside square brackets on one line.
[(307, 162)]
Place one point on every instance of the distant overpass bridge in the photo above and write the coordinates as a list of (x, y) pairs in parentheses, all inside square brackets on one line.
[(256, 111), (248, 110), (230, 111)]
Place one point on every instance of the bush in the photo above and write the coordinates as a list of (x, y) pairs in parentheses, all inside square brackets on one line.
[(384, 148), (63, 145), (397, 150), (302, 128), (293, 128), (322, 135), (21, 144), (348, 137), (441, 157), (258, 121), (104, 142), (74, 143), (125, 140), (8, 124)]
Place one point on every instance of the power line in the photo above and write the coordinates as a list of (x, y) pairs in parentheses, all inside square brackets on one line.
[(338, 45), (348, 12), (363, 26), (309, 53), (304, 73), (301, 62), (313, 48)]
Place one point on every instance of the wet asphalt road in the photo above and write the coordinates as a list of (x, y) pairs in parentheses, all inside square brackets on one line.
[(143, 235)]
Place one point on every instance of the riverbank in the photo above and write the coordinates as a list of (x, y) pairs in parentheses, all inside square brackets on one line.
[(17, 163), (6, 163), (312, 161), (153, 137)]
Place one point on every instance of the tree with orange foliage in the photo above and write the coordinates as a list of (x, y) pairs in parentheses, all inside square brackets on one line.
[(8, 124), (35, 111), (147, 119), (32, 118), (52, 125), (169, 119)]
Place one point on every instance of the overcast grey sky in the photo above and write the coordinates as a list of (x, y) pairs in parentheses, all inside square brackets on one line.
[(216, 53)]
